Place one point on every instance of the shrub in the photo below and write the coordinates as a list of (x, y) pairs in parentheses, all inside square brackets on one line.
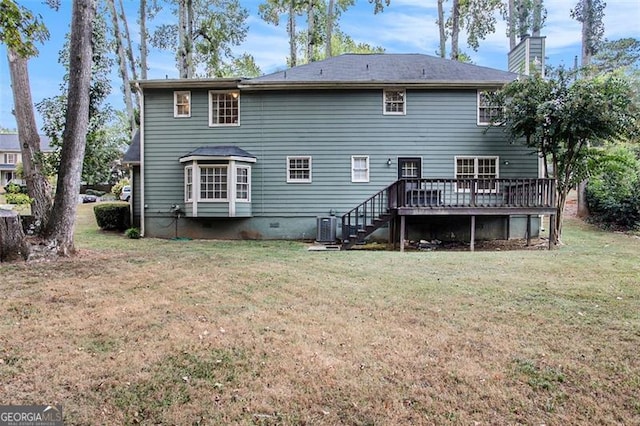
[(17, 198), (133, 233), (117, 188), (95, 192), (112, 216), (14, 188), (613, 194)]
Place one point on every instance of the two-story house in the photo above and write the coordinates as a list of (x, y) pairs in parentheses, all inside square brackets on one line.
[(335, 149), (10, 155)]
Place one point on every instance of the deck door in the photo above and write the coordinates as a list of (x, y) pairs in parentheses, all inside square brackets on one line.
[(410, 168)]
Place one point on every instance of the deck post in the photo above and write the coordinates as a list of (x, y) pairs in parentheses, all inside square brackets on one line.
[(552, 228), (402, 228), (473, 233), (528, 230)]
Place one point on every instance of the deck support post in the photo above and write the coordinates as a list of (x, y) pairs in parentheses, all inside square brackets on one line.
[(473, 232), (552, 228), (528, 230), (402, 229)]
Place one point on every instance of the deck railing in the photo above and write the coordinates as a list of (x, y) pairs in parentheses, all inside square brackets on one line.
[(478, 193), (447, 194)]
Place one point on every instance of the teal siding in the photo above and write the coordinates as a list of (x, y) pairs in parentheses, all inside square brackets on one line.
[(213, 209), (330, 127)]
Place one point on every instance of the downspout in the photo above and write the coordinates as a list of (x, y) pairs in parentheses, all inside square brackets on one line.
[(142, 202)]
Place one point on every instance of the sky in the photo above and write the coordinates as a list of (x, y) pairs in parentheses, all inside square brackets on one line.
[(406, 26)]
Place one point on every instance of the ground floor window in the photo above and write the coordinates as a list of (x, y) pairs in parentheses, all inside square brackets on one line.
[(213, 182), (188, 183), (299, 169), (360, 168), (243, 183), (480, 167)]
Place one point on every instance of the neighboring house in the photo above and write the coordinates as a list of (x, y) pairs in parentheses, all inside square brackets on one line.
[(295, 155), (10, 155)]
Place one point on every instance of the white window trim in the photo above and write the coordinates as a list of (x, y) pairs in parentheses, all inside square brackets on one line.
[(188, 196), (218, 92), (299, 157), (475, 171), (353, 169), (478, 106), (384, 102), (176, 114), (199, 193), (248, 168)]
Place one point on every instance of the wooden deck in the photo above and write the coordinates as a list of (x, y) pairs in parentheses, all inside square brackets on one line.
[(460, 197)]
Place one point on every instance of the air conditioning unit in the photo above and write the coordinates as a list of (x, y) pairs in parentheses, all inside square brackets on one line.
[(327, 229)]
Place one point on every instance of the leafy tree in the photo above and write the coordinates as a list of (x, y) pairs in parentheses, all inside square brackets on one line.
[(591, 14), (20, 30), (559, 115), (477, 17), (204, 37), (59, 230), (613, 192), (103, 146), (618, 54), (523, 17)]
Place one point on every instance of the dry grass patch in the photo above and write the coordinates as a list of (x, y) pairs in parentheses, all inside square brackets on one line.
[(212, 332)]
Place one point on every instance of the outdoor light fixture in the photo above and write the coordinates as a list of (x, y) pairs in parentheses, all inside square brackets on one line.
[(388, 161), (506, 162)]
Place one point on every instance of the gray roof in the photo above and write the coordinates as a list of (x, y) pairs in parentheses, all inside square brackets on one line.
[(10, 142), (219, 151), (132, 156), (386, 68)]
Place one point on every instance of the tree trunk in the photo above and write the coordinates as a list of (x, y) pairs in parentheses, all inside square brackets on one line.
[(63, 215), (122, 63), (537, 18), (330, 17), (586, 32), (441, 26), (132, 64), (182, 38), (13, 245), (512, 24), (143, 40), (190, 38), (311, 30), (37, 184), (455, 29), (291, 29)]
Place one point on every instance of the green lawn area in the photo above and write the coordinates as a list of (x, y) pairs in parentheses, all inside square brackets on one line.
[(264, 332)]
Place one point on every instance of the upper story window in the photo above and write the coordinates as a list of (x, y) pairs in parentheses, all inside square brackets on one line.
[(213, 183), (484, 168), (299, 169), (224, 108), (394, 102), (182, 104), (360, 168), (10, 158), (490, 111)]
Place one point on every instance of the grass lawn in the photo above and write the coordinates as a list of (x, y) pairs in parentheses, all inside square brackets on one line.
[(265, 332)]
